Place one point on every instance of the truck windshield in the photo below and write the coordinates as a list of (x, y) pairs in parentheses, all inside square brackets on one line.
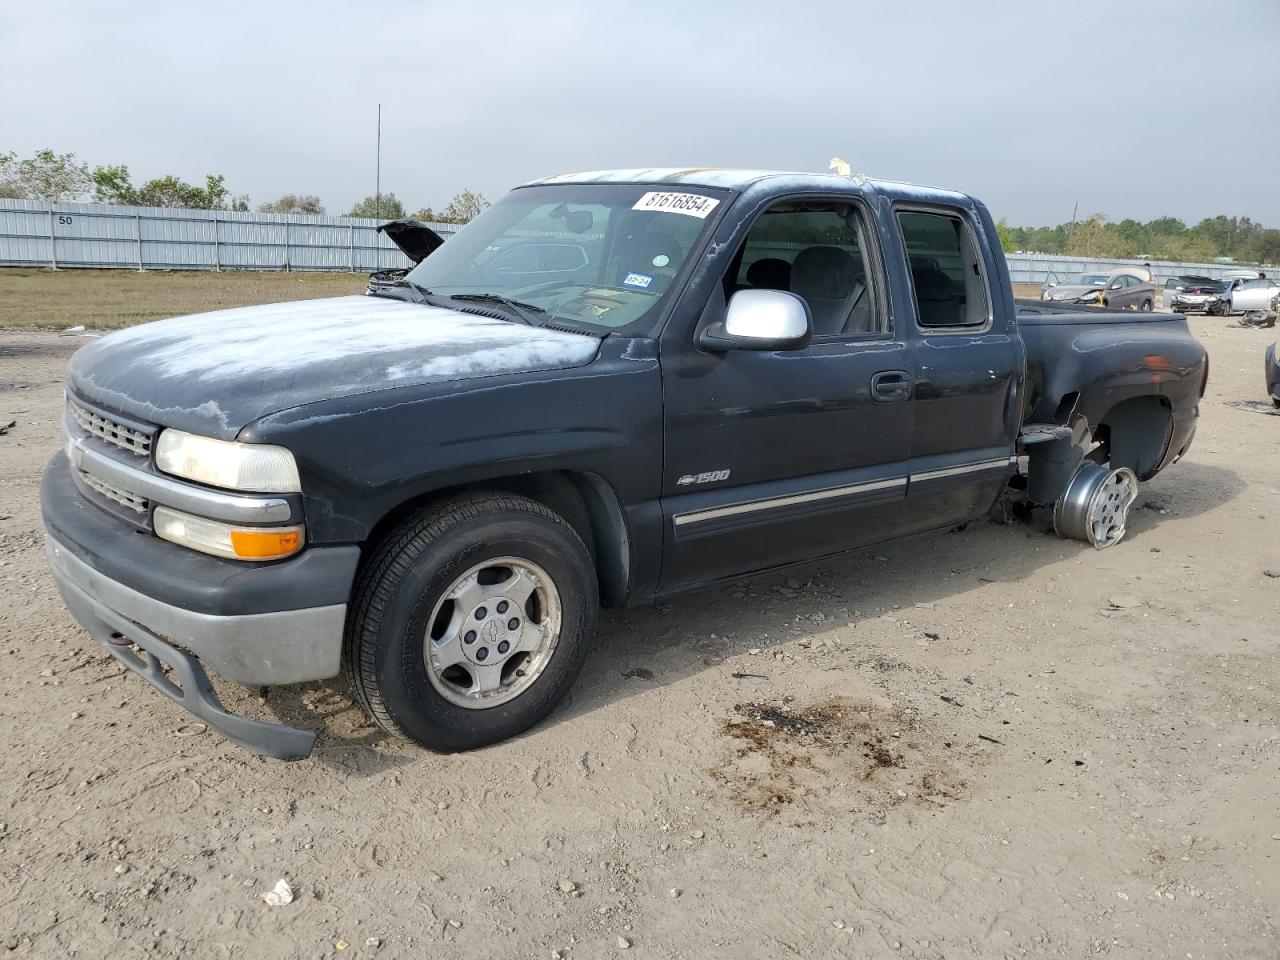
[(603, 255)]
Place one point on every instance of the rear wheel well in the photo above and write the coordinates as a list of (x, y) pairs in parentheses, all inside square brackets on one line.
[(586, 501), (1135, 434)]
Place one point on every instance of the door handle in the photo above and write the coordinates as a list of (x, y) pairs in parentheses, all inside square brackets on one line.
[(888, 386)]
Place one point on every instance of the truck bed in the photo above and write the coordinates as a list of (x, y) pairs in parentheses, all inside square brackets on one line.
[(1100, 357), (1044, 313)]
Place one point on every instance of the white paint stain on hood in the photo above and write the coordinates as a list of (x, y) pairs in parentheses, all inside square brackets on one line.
[(224, 369)]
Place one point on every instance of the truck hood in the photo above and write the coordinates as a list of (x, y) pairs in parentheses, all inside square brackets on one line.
[(214, 373)]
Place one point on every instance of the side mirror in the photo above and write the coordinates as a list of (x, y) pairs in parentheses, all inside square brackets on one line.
[(761, 320)]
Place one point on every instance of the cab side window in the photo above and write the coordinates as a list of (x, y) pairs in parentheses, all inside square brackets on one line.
[(946, 270), (816, 250)]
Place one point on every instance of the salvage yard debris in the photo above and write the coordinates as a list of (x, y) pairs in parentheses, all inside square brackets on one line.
[(282, 894)]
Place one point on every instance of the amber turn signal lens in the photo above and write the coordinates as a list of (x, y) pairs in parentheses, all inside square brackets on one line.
[(265, 544), (222, 540)]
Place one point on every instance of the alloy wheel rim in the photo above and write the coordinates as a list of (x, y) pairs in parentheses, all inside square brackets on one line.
[(492, 633), (1109, 508)]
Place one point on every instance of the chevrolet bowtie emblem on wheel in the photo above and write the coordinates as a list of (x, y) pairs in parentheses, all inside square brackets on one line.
[(712, 476)]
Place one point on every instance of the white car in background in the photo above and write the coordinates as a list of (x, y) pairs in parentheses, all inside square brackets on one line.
[(1259, 294)]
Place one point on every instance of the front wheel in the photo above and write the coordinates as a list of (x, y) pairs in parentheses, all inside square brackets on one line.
[(471, 621), (1146, 306)]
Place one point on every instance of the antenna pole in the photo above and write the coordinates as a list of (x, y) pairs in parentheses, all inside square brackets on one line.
[(377, 190)]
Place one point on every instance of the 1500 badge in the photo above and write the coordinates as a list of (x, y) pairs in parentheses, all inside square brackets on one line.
[(711, 476)]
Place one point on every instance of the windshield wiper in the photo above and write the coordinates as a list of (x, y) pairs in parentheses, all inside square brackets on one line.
[(417, 288), (519, 308)]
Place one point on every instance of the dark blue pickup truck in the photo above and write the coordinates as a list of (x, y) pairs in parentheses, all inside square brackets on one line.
[(607, 388)]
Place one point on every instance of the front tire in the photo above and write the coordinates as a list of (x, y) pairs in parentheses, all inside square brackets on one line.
[(470, 621), (1146, 306)]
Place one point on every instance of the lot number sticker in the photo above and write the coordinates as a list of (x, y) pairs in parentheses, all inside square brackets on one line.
[(690, 204)]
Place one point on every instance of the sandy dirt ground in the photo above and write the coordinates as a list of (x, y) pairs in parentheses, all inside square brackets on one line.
[(991, 743)]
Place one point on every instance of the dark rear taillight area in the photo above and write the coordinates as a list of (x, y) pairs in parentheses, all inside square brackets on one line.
[(1204, 379)]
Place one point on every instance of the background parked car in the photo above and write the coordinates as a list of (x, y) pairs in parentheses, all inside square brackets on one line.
[(1191, 294), (1248, 296), (1117, 290), (1273, 375)]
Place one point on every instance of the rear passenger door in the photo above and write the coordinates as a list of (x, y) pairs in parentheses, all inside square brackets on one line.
[(1254, 295), (969, 365)]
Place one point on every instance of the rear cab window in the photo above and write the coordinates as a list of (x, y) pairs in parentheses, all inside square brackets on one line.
[(948, 277)]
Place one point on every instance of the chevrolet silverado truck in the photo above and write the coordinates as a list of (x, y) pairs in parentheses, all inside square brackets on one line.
[(605, 389)]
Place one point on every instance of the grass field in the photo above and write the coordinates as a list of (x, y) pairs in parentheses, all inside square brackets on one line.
[(105, 299)]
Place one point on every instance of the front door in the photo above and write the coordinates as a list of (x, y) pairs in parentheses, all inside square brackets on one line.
[(774, 457)]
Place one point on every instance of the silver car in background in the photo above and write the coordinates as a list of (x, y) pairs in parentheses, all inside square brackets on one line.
[(1118, 289), (1258, 295)]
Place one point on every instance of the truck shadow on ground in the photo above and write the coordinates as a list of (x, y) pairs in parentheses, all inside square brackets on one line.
[(666, 643), (644, 647)]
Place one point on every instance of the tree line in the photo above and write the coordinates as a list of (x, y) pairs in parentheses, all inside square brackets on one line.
[(1165, 238), (50, 176)]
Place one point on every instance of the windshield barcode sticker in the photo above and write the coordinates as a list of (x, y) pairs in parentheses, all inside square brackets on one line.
[(690, 204)]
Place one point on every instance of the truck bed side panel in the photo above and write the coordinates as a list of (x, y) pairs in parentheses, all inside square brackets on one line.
[(1086, 363)]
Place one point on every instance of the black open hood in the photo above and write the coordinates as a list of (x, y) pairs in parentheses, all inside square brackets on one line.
[(415, 238)]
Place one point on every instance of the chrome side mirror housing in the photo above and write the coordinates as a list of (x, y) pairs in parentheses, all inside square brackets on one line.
[(761, 320)]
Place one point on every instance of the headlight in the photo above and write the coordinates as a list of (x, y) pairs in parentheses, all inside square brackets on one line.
[(1091, 295), (223, 540), (256, 467)]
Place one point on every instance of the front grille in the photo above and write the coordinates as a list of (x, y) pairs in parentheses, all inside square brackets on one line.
[(113, 431), (126, 499)]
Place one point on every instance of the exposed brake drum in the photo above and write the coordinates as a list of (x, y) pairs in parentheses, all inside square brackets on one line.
[(1096, 504)]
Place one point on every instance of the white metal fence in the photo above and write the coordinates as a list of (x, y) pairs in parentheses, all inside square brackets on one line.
[(1038, 267), (34, 233), (38, 234)]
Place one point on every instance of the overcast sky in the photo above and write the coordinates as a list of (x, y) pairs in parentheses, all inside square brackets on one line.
[(1134, 109)]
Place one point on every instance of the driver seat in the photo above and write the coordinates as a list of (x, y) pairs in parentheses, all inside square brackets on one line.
[(825, 277)]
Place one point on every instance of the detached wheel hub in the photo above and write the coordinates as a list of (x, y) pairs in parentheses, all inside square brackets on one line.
[(1095, 506)]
